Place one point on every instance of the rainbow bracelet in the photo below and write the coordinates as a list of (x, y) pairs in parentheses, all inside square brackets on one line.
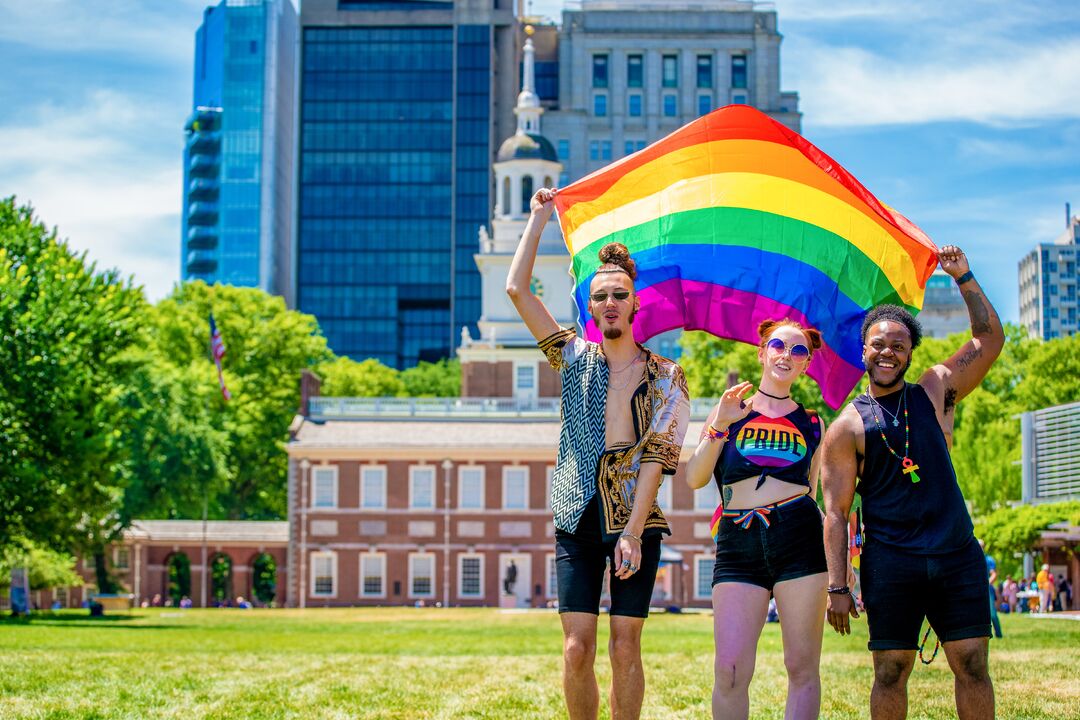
[(716, 434)]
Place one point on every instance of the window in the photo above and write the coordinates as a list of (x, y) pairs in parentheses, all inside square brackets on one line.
[(663, 495), (373, 575), (323, 574), (373, 488), (470, 576), (526, 193), (600, 105), (471, 488), (640, 145), (594, 149), (564, 149), (599, 71), (122, 558), (515, 488), (628, 148), (634, 71), (524, 377), (507, 206), (324, 482), (738, 98), (421, 575), (422, 488), (707, 498), (670, 71), (704, 71), (549, 474), (670, 108), (738, 71), (704, 104), (633, 105), (552, 577), (605, 149), (703, 568)]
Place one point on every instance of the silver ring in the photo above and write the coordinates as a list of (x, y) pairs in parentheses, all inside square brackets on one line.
[(626, 563), (633, 568)]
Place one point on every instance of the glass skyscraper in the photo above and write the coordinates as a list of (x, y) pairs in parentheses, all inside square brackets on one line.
[(237, 217), (396, 125)]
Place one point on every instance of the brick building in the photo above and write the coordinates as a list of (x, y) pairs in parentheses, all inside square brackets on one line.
[(398, 502)]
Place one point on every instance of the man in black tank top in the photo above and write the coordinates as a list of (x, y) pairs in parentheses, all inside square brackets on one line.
[(920, 559)]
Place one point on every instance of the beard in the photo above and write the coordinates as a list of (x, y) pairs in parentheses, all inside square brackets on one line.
[(614, 333), (870, 367)]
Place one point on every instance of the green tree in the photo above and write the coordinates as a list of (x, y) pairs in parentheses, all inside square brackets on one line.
[(1010, 531), (440, 379), (231, 451), (65, 328), (48, 568), (345, 377)]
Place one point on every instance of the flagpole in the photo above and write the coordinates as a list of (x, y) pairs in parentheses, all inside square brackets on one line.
[(205, 570)]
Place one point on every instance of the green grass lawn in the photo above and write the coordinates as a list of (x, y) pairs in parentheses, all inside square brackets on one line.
[(431, 663)]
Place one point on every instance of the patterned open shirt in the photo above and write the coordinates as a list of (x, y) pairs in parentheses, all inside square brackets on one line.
[(661, 411)]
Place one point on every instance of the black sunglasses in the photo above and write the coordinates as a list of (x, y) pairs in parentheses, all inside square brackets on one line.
[(599, 297)]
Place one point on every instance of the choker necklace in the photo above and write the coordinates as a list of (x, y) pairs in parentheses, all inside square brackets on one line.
[(774, 397)]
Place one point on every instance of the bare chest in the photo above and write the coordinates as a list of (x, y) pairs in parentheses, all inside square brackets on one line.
[(618, 416)]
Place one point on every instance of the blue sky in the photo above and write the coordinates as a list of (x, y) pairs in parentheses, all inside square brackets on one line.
[(964, 115)]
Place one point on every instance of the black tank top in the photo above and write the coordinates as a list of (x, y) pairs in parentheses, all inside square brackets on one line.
[(759, 445), (928, 517)]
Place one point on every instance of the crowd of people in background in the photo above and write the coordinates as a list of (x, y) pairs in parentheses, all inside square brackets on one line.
[(1041, 592)]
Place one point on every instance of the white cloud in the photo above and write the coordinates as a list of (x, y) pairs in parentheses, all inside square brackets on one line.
[(148, 30), (94, 174), (846, 86)]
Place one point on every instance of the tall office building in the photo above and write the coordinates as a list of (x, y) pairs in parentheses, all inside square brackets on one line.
[(632, 71), (400, 100), (238, 155), (1048, 280)]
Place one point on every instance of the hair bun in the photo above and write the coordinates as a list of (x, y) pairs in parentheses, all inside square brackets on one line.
[(616, 254)]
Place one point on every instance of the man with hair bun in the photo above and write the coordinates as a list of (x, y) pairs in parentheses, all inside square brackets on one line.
[(920, 559), (624, 416)]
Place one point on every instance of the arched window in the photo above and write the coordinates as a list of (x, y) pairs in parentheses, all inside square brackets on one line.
[(178, 578), (506, 197), (526, 193), (548, 182)]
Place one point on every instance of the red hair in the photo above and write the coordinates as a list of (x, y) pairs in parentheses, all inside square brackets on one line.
[(766, 328)]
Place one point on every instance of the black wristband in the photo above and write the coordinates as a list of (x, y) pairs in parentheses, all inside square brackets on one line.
[(964, 278), (843, 590)]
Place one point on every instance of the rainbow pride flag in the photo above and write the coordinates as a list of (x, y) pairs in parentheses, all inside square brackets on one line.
[(734, 219)]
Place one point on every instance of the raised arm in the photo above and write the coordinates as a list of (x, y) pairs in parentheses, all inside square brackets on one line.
[(537, 317), (954, 379), (838, 471), (730, 409)]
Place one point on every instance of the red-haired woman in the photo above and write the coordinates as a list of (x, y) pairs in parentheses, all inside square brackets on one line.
[(761, 447)]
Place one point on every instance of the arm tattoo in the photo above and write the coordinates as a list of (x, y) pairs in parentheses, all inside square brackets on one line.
[(980, 316), (950, 400), (969, 357), (728, 492)]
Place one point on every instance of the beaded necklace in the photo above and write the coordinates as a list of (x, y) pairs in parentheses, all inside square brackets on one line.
[(909, 465)]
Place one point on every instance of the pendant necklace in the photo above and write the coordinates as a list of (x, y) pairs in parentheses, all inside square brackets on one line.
[(909, 465), (895, 416)]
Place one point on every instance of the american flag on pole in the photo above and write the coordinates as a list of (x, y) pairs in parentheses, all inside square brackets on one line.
[(217, 348)]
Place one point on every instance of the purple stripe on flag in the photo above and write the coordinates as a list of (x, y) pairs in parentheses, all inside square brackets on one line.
[(733, 314)]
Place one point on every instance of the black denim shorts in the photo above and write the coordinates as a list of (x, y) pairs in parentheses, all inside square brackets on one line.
[(900, 589), (789, 545), (582, 558)]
